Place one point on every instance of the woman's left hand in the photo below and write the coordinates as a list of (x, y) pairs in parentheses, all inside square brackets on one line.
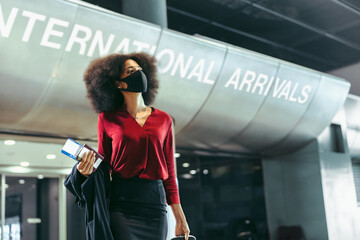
[(182, 229)]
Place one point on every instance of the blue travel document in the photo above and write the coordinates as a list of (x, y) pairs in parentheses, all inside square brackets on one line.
[(76, 151)]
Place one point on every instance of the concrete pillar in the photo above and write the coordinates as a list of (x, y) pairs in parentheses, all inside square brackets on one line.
[(313, 188), (293, 193)]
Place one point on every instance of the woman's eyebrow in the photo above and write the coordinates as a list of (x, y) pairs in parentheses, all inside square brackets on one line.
[(131, 67)]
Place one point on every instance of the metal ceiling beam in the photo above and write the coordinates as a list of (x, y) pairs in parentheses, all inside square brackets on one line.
[(304, 25), (347, 6), (263, 40)]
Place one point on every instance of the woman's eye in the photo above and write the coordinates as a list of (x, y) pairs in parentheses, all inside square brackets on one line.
[(130, 70)]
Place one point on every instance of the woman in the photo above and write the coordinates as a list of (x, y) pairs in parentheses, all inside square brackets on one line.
[(137, 141)]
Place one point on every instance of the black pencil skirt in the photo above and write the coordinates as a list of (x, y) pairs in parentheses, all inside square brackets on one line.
[(138, 209)]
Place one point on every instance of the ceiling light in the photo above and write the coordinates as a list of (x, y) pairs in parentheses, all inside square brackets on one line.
[(33, 220), (192, 172), (21, 181), (176, 155), (24, 164), (51, 156), (40, 176), (186, 176), (205, 171), (9, 142), (185, 164), (19, 170)]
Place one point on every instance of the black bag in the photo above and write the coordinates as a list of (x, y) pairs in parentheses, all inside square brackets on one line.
[(191, 237)]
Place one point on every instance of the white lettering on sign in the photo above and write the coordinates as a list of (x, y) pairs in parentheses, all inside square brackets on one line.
[(269, 85), (260, 83), (6, 26), (123, 46), (170, 57), (152, 50), (33, 17), (75, 38), (183, 67), (234, 79), (98, 41), (207, 74), (278, 86), (305, 94), (248, 79), (140, 46), (197, 71), (49, 31), (84, 40), (256, 83)]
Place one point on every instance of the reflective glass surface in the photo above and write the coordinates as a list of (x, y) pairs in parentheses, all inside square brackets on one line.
[(31, 208), (222, 197)]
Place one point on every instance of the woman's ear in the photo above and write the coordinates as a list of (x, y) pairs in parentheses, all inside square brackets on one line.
[(117, 84), (121, 85)]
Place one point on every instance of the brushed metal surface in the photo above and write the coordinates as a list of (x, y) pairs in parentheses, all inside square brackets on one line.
[(222, 97), (277, 117), (188, 70), (329, 99), (352, 112), (229, 108)]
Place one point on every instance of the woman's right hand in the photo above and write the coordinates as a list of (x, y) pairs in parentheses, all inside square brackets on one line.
[(85, 167)]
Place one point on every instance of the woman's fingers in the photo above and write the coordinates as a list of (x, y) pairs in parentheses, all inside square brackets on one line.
[(91, 160), (85, 167), (182, 229), (89, 163), (82, 162), (186, 233)]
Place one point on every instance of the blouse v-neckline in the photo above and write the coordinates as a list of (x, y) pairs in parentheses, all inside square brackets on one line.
[(152, 110)]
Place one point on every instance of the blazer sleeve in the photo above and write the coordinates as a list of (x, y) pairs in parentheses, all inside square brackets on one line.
[(73, 183), (170, 185), (82, 188)]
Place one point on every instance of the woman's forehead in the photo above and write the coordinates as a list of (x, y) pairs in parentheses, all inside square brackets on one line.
[(130, 62)]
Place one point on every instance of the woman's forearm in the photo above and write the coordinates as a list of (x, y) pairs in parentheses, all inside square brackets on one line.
[(178, 212)]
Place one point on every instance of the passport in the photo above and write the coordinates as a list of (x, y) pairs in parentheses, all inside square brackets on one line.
[(76, 151)]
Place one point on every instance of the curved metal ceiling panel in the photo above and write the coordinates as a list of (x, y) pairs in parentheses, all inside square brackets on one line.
[(329, 98), (188, 69), (233, 102), (66, 91), (221, 97), (291, 93), (22, 41)]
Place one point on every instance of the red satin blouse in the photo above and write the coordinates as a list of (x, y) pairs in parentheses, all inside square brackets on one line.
[(132, 150)]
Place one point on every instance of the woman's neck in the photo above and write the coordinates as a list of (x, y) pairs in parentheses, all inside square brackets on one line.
[(134, 103)]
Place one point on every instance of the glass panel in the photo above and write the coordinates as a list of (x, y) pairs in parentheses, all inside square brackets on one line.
[(222, 198), (31, 208)]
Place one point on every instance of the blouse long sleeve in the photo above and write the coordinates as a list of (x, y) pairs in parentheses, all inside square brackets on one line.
[(170, 186), (104, 141)]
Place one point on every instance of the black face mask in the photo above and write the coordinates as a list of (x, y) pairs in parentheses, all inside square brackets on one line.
[(136, 82)]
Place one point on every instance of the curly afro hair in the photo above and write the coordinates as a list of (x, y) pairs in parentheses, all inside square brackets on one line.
[(101, 74)]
